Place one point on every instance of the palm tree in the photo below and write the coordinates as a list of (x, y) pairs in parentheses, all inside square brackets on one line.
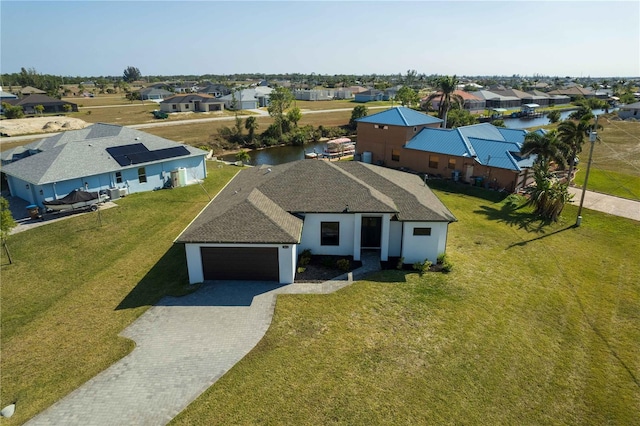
[(446, 86), (546, 146), (572, 134), (251, 124)]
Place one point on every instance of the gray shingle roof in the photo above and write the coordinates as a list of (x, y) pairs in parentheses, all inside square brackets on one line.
[(264, 204), (80, 153)]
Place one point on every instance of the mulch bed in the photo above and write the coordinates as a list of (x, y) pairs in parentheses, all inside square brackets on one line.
[(324, 268)]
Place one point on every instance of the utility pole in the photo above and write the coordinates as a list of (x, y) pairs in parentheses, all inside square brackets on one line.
[(592, 138)]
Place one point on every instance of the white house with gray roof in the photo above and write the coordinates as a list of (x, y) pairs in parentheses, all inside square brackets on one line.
[(256, 227), (99, 157)]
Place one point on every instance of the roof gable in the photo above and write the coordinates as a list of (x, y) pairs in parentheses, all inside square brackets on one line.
[(263, 204), (400, 116)]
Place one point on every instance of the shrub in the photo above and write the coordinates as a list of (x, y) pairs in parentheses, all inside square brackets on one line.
[(400, 263), (446, 264), (422, 267), (304, 261), (11, 111), (343, 264)]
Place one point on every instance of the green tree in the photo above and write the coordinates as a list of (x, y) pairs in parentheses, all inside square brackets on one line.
[(7, 223), (446, 86), (546, 146), (11, 111), (133, 96), (251, 124), (243, 156), (131, 74), (279, 100), (548, 195), (67, 107), (39, 109), (294, 115), (572, 134), (358, 112), (406, 96), (554, 116), (458, 117)]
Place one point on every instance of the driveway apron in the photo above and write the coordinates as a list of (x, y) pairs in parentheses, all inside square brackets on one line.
[(183, 346)]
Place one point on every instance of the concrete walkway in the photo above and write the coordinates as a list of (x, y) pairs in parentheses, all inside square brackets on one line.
[(606, 203), (184, 345)]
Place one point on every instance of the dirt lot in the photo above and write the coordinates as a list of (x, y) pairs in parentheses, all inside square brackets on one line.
[(27, 126)]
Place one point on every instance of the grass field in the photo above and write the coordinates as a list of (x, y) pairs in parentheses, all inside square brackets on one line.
[(75, 284), (536, 324)]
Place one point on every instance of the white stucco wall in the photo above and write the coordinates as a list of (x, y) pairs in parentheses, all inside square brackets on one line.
[(311, 234), (395, 238), (417, 248)]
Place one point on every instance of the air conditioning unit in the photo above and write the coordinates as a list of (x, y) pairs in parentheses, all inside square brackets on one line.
[(114, 193), (124, 192)]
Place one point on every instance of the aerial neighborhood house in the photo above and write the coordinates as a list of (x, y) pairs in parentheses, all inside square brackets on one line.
[(494, 100), (154, 94), (477, 154), (369, 96), (256, 227), (100, 157), (471, 103), (30, 90), (51, 105), (314, 94), (215, 90), (191, 103), (573, 92), (630, 111), (247, 98)]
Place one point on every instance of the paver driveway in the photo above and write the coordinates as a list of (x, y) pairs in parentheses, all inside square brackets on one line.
[(183, 346)]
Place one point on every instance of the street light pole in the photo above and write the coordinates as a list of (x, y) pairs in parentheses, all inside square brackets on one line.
[(593, 134)]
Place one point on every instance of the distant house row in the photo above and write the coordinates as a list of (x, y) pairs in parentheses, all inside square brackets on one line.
[(30, 100), (478, 101)]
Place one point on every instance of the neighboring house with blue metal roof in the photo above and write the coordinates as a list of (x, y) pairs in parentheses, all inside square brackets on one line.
[(99, 157), (407, 139), (154, 94)]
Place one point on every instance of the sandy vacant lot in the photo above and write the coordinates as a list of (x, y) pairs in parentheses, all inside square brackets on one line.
[(33, 125)]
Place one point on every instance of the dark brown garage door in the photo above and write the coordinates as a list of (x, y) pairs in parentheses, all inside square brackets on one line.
[(240, 263)]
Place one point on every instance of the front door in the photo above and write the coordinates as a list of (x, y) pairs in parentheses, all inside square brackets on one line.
[(371, 232)]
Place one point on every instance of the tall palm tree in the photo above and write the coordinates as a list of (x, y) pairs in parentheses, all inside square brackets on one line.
[(546, 146), (251, 124), (446, 85), (572, 134)]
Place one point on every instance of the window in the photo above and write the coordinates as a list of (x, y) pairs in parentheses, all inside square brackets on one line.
[(452, 163), (174, 106), (118, 177), (330, 233), (395, 154), (142, 175), (433, 161), (421, 231), (415, 129), (186, 106)]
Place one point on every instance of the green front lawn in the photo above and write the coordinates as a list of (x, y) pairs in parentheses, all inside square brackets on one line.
[(75, 284), (535, 325)]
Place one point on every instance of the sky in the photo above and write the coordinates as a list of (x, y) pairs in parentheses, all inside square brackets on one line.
[(102, 38)]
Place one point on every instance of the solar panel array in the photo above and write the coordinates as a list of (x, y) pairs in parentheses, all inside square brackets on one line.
[(127, 155)]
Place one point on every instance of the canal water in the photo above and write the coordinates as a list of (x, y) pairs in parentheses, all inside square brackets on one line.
[(285, 154)]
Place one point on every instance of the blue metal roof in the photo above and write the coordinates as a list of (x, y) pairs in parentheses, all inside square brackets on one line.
[(489, 145), (496, 153), (400, 116), (512, 135), (442, 141)]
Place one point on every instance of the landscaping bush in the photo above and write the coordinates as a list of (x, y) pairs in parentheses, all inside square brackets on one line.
[(422, 267), (445, 264), (343, 264)]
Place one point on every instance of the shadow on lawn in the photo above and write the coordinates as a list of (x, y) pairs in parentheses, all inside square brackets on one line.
[(168, 277), (511, 214)]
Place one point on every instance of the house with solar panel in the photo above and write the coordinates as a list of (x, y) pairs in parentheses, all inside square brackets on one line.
[(101, 157), (480, 154)]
